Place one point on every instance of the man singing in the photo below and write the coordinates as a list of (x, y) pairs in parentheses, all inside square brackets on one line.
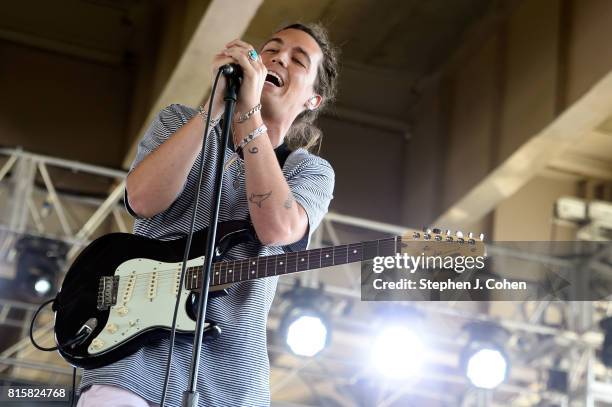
[(277, 183)]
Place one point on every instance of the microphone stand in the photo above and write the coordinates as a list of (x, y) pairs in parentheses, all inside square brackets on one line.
[(191, 396)]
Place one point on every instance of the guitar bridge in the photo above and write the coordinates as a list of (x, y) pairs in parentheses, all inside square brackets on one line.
[(107, 292)]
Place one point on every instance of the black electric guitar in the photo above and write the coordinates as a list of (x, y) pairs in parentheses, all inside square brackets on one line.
[(120, 292)]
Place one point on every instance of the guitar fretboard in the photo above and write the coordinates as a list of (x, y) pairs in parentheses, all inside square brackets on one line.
[(234, 271)]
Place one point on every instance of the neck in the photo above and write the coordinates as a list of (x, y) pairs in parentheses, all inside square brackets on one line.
[(277, 128)]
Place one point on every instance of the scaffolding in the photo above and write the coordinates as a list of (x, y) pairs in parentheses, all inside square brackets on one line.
[(540, 346)]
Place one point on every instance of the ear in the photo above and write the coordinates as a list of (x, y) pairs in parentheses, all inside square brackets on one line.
[(313, 102)]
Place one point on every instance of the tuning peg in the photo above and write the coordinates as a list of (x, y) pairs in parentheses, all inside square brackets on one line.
[(481, 237), (416, 235), (449, 235), (437, 231), (460, 238), (470, 235)]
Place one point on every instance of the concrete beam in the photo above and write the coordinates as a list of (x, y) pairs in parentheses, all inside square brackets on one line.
[(582, 165), (534, 156), (190, 81)]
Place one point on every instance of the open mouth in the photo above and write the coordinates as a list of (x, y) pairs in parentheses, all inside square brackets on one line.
[(274, 79)]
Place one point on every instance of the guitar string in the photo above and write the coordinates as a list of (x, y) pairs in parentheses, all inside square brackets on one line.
[(257, 260), (171, 275), (291, 265)]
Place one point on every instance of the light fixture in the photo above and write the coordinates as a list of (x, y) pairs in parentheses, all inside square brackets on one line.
[(42, 286), (484, 359), (304, 326), (606, 348), (397, 352), (38, 262)]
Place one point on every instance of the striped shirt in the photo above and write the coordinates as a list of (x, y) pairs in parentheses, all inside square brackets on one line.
[(235, 369)]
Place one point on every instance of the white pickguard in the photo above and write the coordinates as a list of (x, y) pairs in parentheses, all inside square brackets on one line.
[(146, 298)]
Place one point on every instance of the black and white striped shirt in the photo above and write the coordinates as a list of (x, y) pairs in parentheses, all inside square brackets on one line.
[(234, 370)]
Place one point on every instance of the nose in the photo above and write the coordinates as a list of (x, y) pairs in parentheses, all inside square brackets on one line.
[(281, 59)]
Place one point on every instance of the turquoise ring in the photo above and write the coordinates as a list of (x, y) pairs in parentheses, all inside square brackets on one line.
[(253, 55)]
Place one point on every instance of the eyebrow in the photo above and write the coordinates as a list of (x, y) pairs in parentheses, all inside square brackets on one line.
[(297, 49)]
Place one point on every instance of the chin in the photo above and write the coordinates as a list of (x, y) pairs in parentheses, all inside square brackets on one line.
[(269, 102)]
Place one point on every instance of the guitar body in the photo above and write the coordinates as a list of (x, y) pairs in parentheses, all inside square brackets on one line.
[(145, 273)]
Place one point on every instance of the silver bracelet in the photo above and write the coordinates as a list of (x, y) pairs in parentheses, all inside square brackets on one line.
[(204, 114), (245, 116), (252, 136)]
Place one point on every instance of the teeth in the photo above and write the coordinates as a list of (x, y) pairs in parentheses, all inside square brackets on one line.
[(277, 76)]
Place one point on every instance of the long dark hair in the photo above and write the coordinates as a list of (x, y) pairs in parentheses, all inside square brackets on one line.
[(303, 133)]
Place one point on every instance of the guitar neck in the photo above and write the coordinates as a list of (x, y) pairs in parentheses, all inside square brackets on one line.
[(235, 271)]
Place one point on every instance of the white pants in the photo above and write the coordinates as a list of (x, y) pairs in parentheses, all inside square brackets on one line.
[(104, 395)]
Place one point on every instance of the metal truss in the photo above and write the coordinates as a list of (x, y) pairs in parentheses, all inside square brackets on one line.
[(535, 345), (22, 214), (570, 346)]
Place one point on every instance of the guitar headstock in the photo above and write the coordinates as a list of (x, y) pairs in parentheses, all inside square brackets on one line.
[(438, 242)]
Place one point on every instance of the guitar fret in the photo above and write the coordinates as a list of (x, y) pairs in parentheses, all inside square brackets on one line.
[(294, 260), (232, 271), (314, 258), (301, 260), (327, 258)]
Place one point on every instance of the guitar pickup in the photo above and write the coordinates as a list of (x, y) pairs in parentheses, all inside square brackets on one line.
[(107, 292)]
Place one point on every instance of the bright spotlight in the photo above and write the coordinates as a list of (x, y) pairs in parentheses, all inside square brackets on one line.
[(304, 327), (484, 361), (487, 368), (307, 335), (42, 286), (397, 352)]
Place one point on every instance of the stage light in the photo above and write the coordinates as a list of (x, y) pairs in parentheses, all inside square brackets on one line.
[(397, 352), (487, 368), (39, 261), (307, 335), (304, 327), (606, 348), (484, 360), (42, 286)]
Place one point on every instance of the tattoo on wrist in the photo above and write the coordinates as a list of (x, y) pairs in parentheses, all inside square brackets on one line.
[(253, 150), (257, 199), (289, 201)]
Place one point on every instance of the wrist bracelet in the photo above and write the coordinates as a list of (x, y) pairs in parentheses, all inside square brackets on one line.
[(252, 136), (204, 114), (245, 116)]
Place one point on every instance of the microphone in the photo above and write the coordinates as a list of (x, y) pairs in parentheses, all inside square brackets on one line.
[(234, 70)]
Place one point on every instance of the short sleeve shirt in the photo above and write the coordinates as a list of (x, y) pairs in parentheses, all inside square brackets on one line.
[(234, 370)]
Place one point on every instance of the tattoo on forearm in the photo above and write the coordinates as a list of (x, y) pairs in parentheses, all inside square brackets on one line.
[(257, 199), (289, 201), (253, 150)]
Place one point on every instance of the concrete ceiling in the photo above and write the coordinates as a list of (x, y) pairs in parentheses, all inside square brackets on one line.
[(400, 40)]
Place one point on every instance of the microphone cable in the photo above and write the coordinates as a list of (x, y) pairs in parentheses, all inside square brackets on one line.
[(189, 238)]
